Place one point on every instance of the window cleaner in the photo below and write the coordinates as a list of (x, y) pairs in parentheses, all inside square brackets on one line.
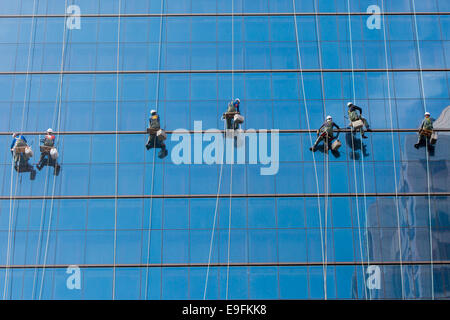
[(325, 132), (233, 115), (426, 133), (22, 152), (156, 135), (357, 120), (49, 153)]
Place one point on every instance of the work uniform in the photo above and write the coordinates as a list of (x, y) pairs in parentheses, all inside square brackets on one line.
[(18, 141), (326, 132), (425, 131), (153, 141), (354, 116), (154, 122), (232, 107), (48, 141)]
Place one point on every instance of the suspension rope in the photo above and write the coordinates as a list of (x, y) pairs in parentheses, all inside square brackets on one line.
[(116, 167), (393, 151), (229, 229), (46, 185), (232, 160), (354, 160), (326, 144), (299, 57), (12, 202), (58, 123), (154, 150), (41, 226), (214, 221), (426, 152)]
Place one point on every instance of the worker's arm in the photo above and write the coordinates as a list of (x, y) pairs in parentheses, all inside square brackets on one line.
[(421, 125), (13, 143), (318, 130), (358, 108), (337, 127)]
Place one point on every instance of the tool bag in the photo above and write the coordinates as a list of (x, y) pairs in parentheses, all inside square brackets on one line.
[(54, 153), (336, 145), (28, 152), (426, 132), (161, 134), (358, 124), (434, 137), (238, 118)]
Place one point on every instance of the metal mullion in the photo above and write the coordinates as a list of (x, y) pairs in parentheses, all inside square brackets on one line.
[(225, 71), (212, 14), (227, 196), (235, 264)]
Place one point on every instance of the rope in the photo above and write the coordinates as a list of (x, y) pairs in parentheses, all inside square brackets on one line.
[(154, 151), (393, 152), (41, 226), (58, 122), (116, 182), (214, 224), (311, 142), (229, 229), (326, 144), (12, 202), (427, 159), (354, 160), (231, 165)]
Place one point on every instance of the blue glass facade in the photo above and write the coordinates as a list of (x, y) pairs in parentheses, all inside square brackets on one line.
[(371, 222)]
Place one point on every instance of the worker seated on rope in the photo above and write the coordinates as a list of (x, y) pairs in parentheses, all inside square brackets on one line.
[(426, 132), (156, 135), (325, 132), (355, 118), (49, 153), (20, 150), (233, 115)]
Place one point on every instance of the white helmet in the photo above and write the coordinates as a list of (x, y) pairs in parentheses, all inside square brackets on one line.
[(153, 111), (329, 118), (15, 134), (49, 130), (349, 104), (427, 113)]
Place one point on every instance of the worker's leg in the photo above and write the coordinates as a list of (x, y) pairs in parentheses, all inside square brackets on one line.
[(151, 141), (163, 152), (428, 142), (319, 138), (362, 134), (41, 159), (16, 159), (328, 141), (419, 141), (366, 124), (229, 124)]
